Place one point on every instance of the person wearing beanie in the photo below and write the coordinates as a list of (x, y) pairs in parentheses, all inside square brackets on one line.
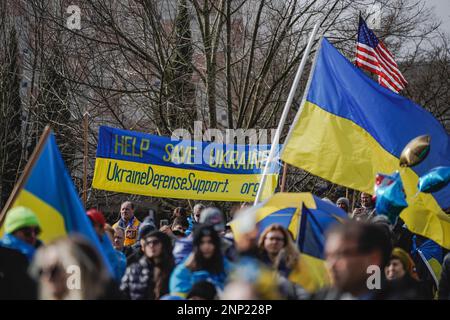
[(206, 262), (403, 282), (134, 252), (22, 228), (148, 279), (212, 217), (344, 204)]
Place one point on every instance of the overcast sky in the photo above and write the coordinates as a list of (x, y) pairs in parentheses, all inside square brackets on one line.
[(442, 11)]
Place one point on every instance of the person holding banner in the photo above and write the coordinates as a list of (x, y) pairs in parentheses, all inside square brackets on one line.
[(128, 222)]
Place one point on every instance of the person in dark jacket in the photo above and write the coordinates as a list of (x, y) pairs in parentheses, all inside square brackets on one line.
[(444, 284), (135, 252), (403, 281), (148, 279), (15, 283)]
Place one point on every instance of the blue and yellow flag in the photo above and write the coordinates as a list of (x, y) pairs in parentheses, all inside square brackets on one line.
[(51, 194), (307, 218), (350, 128)]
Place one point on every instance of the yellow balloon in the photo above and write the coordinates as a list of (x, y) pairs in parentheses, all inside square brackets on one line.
[(415, 151)]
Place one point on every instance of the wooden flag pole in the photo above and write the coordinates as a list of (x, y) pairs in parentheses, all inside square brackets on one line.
[(85, 156), (26, 173), (283, 177)]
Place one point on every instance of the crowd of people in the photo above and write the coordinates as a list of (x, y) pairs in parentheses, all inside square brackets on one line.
[(196, 255)]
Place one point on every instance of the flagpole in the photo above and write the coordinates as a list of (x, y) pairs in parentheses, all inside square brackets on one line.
[(283, 177), (26, 172), (85, 157), (287, 106)]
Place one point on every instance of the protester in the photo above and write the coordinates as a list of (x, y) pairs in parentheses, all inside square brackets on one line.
[(128, 222), (206, 262), (444, 283), (148, 279), (350, 249), (277, 249), (119, 238), (401, 274), (209, 216), (134, 252), (179, 212), (22, 228), (344, 204), (177, 230), (195, 217), (121, 258), (115, 258), (71, 269), (15, 283), (367, 209)]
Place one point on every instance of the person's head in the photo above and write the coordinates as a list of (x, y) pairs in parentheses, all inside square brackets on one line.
[(214, 217), (119, 238), (179, 212), (399, 265), (274, 240), (245, 231), (202, 290), (146, 227), (366, 200), (207, 254), (98, 221), (198, 208), (127, 210), (23, 223), (157, 246), (110, 232), (352, 247), (180, 224), (343, 203), (65, 257)]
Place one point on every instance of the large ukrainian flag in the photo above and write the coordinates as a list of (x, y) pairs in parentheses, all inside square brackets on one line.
[(349, 128), (50, 193)]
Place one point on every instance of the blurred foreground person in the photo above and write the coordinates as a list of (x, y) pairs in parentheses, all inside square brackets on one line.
[(205, 263), (352, 251), (148, 279), (71, 269), (15, 283), (203, 290), (402, 278)]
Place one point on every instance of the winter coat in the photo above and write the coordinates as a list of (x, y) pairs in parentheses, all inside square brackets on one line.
[(138, 281), (182, 278)]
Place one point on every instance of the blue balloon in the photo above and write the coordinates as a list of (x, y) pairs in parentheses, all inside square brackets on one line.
[(391, 198), (436, 179)]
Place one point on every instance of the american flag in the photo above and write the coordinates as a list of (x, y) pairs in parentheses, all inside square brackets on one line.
[(372, 55)]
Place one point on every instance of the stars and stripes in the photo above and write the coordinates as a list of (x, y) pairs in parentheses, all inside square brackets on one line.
[(372, 55)]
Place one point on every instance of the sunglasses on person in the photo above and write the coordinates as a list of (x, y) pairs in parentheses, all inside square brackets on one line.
[(153, 242), (30, 231)]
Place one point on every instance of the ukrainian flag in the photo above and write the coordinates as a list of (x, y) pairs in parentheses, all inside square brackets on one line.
[(307, 218), (51, 194), (349, 128)]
